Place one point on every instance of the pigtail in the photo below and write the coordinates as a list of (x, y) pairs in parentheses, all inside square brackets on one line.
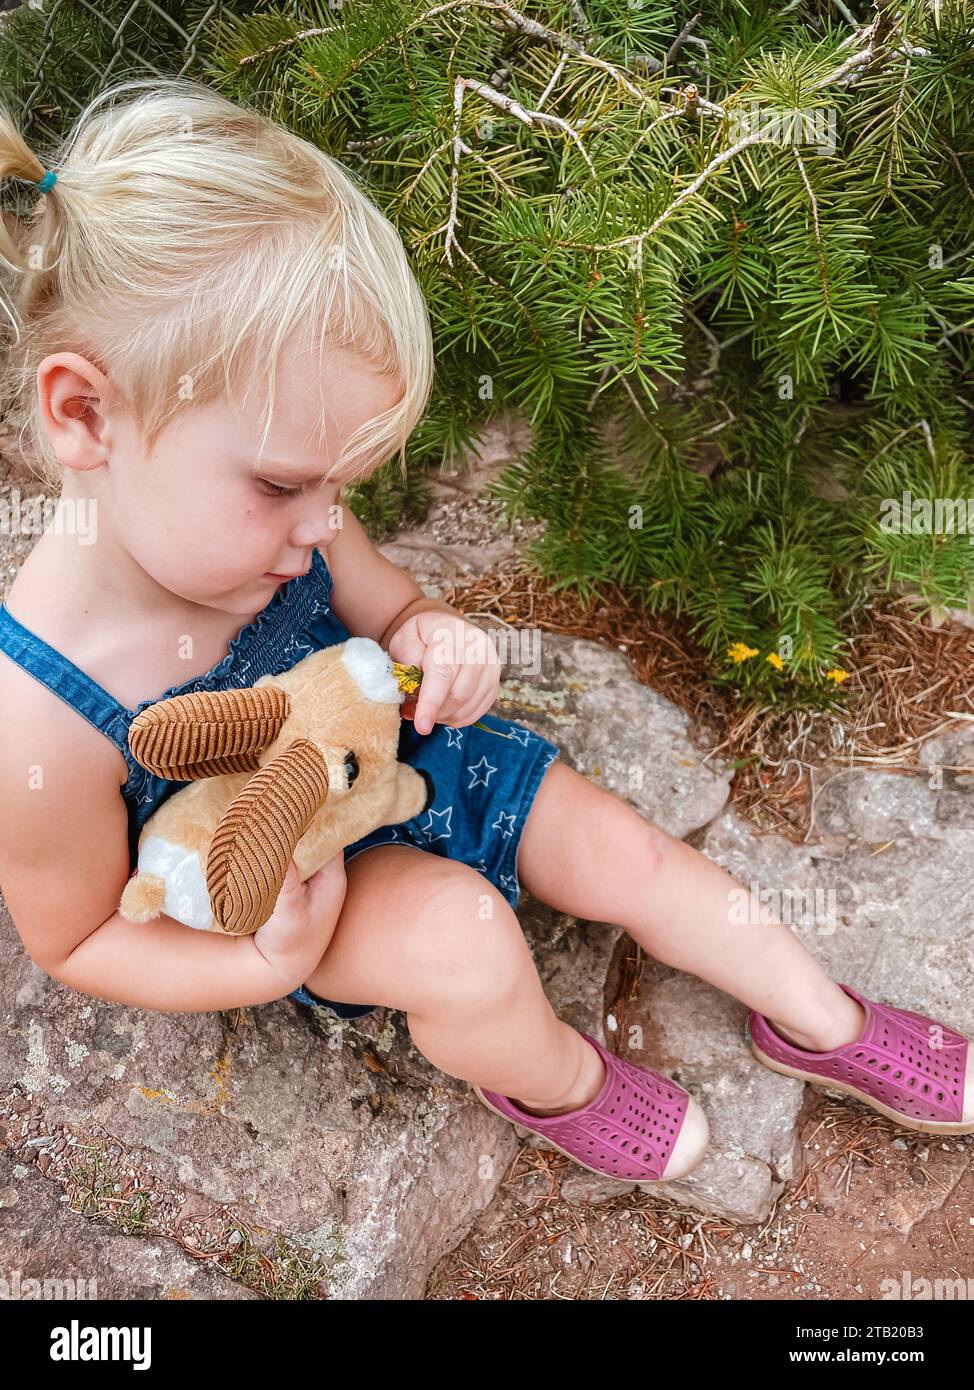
[(17, 161)]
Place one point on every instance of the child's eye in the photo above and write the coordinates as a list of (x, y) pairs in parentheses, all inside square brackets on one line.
[(277, 491)]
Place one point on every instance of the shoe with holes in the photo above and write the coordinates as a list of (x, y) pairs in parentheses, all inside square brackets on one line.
[(907, 1066), (641, 1127)]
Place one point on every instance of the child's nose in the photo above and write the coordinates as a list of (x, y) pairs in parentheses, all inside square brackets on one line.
[(319, 527)]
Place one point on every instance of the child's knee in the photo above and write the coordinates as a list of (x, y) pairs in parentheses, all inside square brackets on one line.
[(468, 943), (629, 849)]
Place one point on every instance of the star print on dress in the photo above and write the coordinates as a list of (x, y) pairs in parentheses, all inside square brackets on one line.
[(505, 830), (510, 882), (523, 736), (549, 760), (454, 737), (481, 781), (438, 818), (145, 795)]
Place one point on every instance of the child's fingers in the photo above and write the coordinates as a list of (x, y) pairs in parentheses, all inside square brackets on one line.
[(437, 680)]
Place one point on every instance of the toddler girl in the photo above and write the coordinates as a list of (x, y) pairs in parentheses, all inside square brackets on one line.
[(185, 255)]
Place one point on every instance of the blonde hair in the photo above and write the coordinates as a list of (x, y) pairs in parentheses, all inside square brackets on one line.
[(185, 239)]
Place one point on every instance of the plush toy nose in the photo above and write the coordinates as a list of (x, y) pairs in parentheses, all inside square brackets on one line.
[(371, 670)]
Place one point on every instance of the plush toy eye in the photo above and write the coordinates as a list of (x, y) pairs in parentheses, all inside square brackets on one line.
[(351, 762)]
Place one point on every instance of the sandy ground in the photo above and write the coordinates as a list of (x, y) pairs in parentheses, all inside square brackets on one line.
[(877, 1210)]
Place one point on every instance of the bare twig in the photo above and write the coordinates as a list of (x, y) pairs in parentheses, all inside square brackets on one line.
[(681, 39)]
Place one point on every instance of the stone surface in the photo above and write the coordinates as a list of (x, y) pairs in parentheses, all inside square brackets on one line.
[(619, 733), (893, 869), (339, 1138), (72, 1257), (363, 1152)]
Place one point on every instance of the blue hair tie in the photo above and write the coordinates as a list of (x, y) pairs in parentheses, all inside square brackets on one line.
[(48, 181)]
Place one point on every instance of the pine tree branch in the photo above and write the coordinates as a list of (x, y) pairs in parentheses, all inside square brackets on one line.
[(521, 23), (894, 133), (822, 269), (638, 238), (694, 100), (875, 36), (512, 19), (960, 170), (512, 108), (283, 44)]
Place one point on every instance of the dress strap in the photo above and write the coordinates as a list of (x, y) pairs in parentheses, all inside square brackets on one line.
[(53, 669), (280, 625)]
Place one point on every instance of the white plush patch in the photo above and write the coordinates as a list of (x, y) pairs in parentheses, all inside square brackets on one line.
[(187, 900), (371, 669)]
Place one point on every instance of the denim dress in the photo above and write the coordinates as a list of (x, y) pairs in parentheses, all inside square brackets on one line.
[(483, 785)]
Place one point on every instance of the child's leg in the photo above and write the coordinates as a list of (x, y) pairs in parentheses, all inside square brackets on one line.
[(587, 852), (434, 938)]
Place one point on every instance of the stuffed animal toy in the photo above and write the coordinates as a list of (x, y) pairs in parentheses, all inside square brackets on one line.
[(296, 766)]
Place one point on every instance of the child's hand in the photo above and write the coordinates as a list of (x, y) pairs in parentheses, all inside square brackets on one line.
[(460, 665), (296, 934)]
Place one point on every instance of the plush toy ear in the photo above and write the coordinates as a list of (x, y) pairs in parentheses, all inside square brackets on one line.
[(257, 835), (210, 732)]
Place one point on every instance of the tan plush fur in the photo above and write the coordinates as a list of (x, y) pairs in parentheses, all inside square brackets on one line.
[(235, 832)]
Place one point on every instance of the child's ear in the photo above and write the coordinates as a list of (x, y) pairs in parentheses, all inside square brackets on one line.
[(209, 732), (75, 399)]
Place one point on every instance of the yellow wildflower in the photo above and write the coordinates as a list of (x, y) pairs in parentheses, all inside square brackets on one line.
[(740, 651), (410, 678), (837, 674), (775, 660)]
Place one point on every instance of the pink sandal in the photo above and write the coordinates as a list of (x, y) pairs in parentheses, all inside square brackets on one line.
[(628, 1131), (905, 1065)]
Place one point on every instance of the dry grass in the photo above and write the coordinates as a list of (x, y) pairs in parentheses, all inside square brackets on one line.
[(908, 680)]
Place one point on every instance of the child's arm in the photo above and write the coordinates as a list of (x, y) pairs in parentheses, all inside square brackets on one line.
[(168, 966), (372, 596), (64, 862)]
